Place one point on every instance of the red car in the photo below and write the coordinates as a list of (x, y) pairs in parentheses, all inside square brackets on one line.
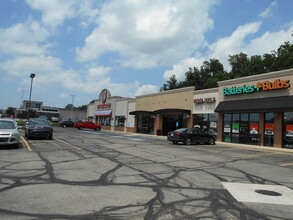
[(88, 125)]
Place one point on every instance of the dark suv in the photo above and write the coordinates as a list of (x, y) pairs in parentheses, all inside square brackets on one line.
[(66, 123), (38, 128)]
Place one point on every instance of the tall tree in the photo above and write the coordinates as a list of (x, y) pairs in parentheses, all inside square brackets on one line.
[(240, 65)]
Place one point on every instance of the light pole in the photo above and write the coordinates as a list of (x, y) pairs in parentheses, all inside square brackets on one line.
[(32, 76), (21, 104), (72, 106)]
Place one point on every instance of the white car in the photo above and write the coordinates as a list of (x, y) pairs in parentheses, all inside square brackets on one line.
[(9, 134)]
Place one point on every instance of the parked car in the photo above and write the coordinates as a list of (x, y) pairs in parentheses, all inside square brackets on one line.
[(66, 123), (9, 134), (54, 119), (190, 135), (87, 124), (39, 128)]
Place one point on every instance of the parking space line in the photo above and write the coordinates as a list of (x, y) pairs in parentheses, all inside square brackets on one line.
[(255, 155), (286, 164), (26, 144), (64, 142)]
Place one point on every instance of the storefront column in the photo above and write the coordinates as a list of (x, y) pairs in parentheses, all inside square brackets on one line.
[(220, 127), (278, 129), (190, 121), (158, 124), (135, 123), (261, 129)]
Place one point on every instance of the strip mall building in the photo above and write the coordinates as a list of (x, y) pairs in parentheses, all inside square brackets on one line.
[(254, 110)]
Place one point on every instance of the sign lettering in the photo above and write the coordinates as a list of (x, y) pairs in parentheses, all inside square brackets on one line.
[(260, 86)]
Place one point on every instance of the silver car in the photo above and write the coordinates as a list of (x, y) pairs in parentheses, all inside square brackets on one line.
[(9, 134)]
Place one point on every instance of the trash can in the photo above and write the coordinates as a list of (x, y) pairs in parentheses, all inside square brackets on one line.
[(159, 132)]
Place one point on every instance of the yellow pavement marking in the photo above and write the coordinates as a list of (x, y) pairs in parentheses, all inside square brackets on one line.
[(26, 144), (255, 155), (64, 142), (286, 164)]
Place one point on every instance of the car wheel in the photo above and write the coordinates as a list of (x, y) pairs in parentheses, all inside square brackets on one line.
[(98, 129), (187, 141), (81, 128), (16, 146), (50, 137), (64, 126), (175, 142), (211, 141)]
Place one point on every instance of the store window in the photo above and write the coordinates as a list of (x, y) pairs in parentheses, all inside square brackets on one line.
[(288, 130), (227, 127), (241, 128), (120, 121), (269, 129), (104, 120), (207, 122)]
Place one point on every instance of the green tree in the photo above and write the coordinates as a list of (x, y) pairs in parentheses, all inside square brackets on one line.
[(10, 111), (68, 107), (82, 108), (240, 65), (171, 84)]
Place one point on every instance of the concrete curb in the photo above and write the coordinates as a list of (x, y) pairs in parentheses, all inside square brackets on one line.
[(254, 147)]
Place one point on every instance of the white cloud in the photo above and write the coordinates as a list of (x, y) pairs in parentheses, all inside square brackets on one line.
[(24, 39), (63, 96), (268, 11), (55, 12), (146, 89), (147, 34), (234, 44), (182, 67)]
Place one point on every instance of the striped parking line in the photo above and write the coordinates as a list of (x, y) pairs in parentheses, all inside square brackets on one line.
[(71, 145), (26, 144)]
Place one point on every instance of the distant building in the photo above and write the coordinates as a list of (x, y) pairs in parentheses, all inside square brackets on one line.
[(60, 113)]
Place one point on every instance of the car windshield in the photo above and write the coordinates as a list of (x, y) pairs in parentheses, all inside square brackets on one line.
[(7, 125), (181, 130), (38, 122)]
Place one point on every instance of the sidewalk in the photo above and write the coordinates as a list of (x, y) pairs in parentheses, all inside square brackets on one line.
[(218, 143)]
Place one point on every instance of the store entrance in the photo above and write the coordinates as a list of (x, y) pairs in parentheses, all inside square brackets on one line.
[(172, 122), (145, 124)]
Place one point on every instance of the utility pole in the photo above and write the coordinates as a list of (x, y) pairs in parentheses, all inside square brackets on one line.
[(72, 106), (22, 91)]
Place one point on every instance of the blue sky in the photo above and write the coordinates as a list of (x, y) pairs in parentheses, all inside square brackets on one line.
[(130, 47)]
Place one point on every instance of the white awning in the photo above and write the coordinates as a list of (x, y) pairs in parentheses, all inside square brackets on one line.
[(103, 113)]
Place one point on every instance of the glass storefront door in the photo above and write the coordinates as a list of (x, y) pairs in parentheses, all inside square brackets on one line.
[(241, 128), (269, 129), (145, 124), (172, 122)]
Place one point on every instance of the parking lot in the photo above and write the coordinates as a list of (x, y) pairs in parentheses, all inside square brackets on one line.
[(85, 174)]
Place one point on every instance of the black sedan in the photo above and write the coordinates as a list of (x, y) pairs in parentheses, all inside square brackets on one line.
[(190, 135), (38, 128), (67, 123)]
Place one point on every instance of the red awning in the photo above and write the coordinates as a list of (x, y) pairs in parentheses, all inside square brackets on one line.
[(103, 113)]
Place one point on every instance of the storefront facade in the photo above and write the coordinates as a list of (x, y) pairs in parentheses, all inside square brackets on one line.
[(257, 110), (254, 110), (204, 117), (165, 111), (111, 112)]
